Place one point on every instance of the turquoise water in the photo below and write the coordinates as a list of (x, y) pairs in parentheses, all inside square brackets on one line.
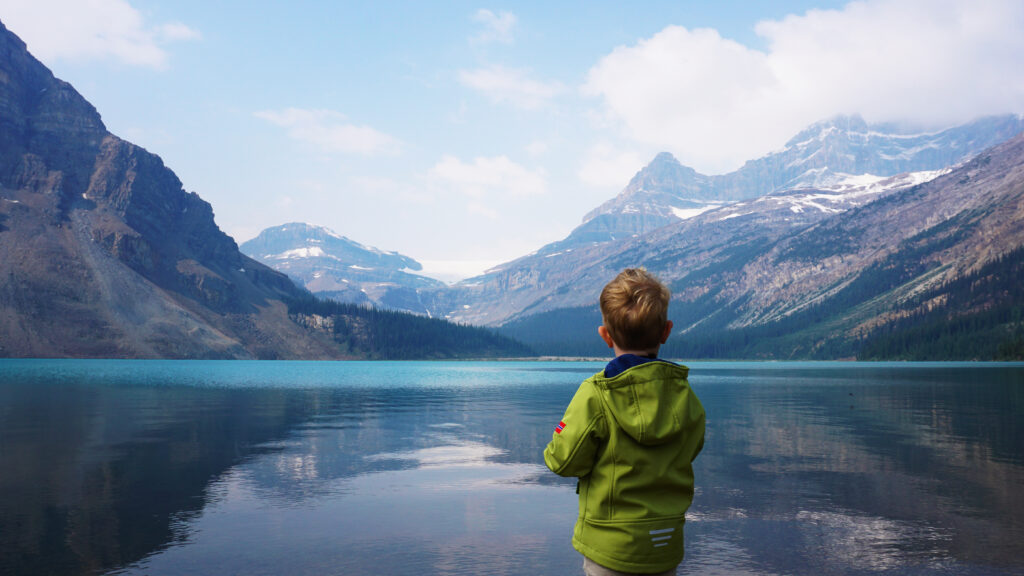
[(225, 467)]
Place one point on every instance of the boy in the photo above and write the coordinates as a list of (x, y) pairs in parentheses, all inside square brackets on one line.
[(631, 434)]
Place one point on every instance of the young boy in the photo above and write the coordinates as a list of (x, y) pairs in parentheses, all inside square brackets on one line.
[(631, 434)]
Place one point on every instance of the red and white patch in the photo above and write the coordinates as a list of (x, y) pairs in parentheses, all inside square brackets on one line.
[(560, 427)]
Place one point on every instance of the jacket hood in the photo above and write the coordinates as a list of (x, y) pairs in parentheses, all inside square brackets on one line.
[(650, 402)]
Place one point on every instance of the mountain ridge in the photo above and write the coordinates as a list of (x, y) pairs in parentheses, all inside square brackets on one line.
[(745, 287), (820, 155), (542, 280)]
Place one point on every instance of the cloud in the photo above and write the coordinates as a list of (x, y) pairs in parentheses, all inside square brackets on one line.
[(176, 31), (716, 103), (454, 270), (537, 148), (331, 131), (496, 27), (92, 30), (606, 166), (488, 176), (511, 85)]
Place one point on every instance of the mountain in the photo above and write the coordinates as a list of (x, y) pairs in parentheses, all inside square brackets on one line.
[(824, 154), (332, 266), (929, 270), (104, 254), (542, 282), (825, 170)]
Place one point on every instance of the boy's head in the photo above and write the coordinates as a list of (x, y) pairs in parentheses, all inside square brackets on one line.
[(634, 307)]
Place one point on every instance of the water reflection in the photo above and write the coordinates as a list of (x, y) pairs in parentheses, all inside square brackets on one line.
[(402, 468), (866, 470), (382, 480)]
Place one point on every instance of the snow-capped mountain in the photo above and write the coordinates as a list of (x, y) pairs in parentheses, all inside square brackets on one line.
[(924, 265), (546, 281), (825, 154), (333, 266)]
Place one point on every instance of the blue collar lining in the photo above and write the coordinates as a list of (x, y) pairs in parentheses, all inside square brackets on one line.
[(625, 362)]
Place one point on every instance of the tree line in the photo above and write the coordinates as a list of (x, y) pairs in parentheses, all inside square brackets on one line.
[(372, 333)]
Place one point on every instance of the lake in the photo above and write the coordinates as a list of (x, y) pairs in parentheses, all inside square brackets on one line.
[(231, 467)]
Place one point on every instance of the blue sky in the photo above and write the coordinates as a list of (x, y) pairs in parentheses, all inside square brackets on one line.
[(465, 134)]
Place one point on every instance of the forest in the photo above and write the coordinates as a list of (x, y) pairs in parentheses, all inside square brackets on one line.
[(376, 334)]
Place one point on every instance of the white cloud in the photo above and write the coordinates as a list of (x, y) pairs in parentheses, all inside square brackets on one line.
[(497, 27), (175, 31), (606, 166), (537, 148), (511, 85), (488, 176), (716, 103), (91, 30), (481, 209), (331, 131), (454, 270)]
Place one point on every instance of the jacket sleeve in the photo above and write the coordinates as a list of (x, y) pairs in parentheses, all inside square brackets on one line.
[(577, 438)]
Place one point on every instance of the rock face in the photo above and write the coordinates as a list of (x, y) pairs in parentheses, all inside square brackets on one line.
[(102, 253), (332, 266)]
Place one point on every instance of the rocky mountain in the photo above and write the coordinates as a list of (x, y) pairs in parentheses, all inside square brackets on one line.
[(794, 275), (542, 282), (335, 267), (104, 254), (825, 154), (826, 170)]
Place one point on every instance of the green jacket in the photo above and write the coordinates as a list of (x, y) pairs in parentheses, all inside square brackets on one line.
[(631, 440)]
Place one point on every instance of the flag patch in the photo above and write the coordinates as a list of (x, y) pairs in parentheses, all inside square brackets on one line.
[(560, 427)]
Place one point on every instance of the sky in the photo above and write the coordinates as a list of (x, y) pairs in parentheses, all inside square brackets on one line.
[(466, 134)]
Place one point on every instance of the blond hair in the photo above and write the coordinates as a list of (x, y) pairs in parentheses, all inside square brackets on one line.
[(634, 307)]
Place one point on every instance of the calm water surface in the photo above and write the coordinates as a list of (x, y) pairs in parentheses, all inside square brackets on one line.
[(152, 467)]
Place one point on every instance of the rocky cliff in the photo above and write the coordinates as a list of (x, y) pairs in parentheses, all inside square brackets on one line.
[(103, 253)]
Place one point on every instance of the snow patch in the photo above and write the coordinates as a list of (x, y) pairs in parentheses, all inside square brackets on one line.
[(687, 213), (307, 252)]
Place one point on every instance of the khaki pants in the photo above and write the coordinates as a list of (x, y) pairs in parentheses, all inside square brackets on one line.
[(591, 568)]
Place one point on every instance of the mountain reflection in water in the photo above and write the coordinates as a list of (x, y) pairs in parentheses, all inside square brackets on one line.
[(131, 467)]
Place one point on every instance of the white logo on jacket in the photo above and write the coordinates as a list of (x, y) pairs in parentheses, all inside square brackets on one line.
[(661, 537)]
